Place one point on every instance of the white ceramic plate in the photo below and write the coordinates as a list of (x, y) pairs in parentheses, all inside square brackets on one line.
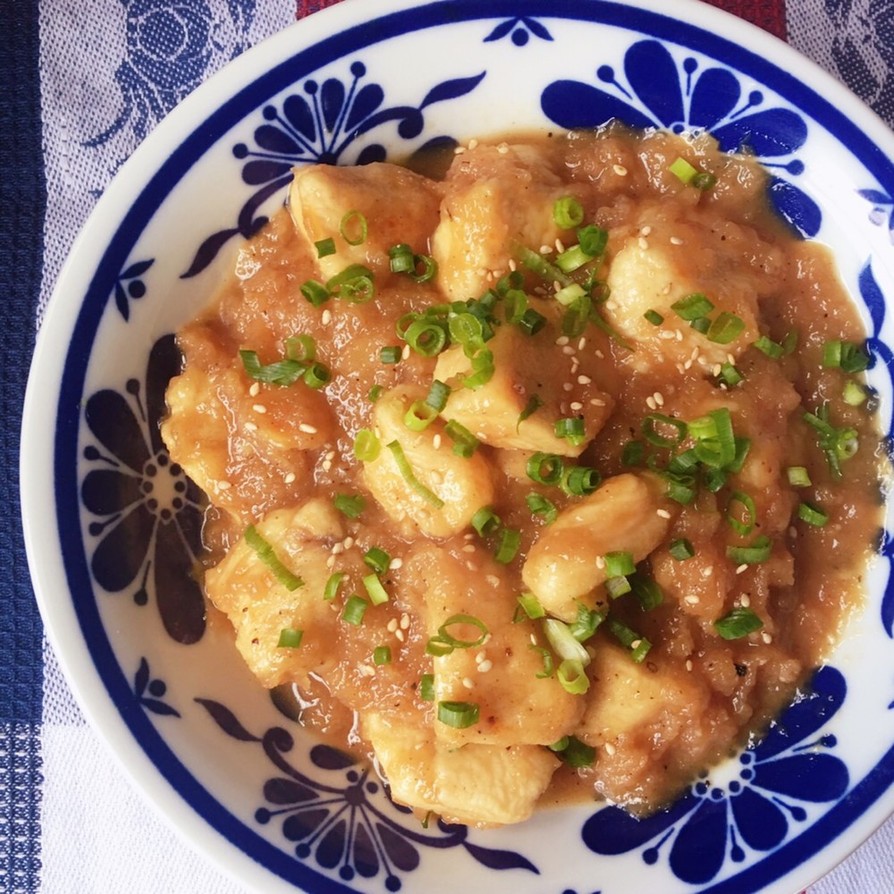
[(110, 523)]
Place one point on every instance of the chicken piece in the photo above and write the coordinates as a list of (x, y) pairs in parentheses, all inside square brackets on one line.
[(627, 513), (220, 433), (627, 698), (515, 707), (259, 606), (453, 488), (399, 207), (480, 785), (527, 368), (496, 198), (677, 259)]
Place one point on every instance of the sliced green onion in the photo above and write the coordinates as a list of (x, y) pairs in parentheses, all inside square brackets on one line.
[(653, 317), (767, 346), (464, 442), (427, 687), (692, 307), (482, 369), (633, 453), (531, 606), (280, 372), (545, 468), (438, 395), (572, 677), (485, 521), (568, 212), (563, 642), (389, 354), (574, 753), (458, 715), (445, 636), (382, 655), (540, 505), (408, 475), (758, 551), (579, 481), (700, 324), (568, 295), (536, 263), (302, 348), (618, 586), (420, 415), (267, 555), (548, 665), (592, 240), (330, 591), (355, 284), (375, 392), (317, 375), (289, 638), (586, 623), (845, 355), (376, 589), (681, 549), (655, 430), (704, 180), (853, 394), (619, 563), (516, 303), (683, 170), (351, 505), (425, 268), (729, 374), (836, 443), (315, 292), (741, 513), (813, 516), (353, 227), (531, 322), (367, 446), (738, 623), (570, 429), (377, 559), (646, 590), (638, 645), (426, 337), (798, 476), (724, 328), (325, 247), (577, 317), (535, 402), (401, 258), (570, 260), (507, 546), (354, 610)]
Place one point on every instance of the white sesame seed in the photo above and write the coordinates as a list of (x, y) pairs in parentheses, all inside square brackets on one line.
[(620, 170), (646, 230), (493, 580), (473, 143), (255, 389), (502, 148), (609, 748), (676, 240), (330, 455), (330, 562), (567, 350), (600, 561), (692, 600), (399, 636), (405, 353), (436, 442), (611, 304), (666, 334), (584, 380), (250, 426), (708, 572), (597, 402), (349, 542), (766, 638), (678, 334), (745, 600), (576, 405), (560, 246), (468, 682), (260, 408), (562, 340), (469, 548), (471, 566), (643, 243), (290, 478), (485, 666), (568, 387), (396, 563), (599, 354), (636, 644), (224, 485), (326, 317), (367, 670), (688, 664), (659, 398), (513, 265), (650, 402), (743, 567), (326, 465), (404, 621), (662, 513), (307, 428), (545, 249), (392, 625)]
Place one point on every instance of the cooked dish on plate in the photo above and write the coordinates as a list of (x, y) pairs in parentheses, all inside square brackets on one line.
[(549, 476)]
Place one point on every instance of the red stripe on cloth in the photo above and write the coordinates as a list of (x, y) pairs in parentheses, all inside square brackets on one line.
[(768, 14), (306, 7)]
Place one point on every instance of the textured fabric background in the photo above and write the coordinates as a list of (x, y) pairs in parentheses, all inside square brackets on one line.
[(84, 84)]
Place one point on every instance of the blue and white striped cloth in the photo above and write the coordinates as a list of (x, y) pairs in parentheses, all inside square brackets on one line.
[(82, 85)]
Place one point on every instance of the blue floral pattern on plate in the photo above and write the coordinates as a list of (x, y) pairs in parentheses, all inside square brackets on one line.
[(141, 517)]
